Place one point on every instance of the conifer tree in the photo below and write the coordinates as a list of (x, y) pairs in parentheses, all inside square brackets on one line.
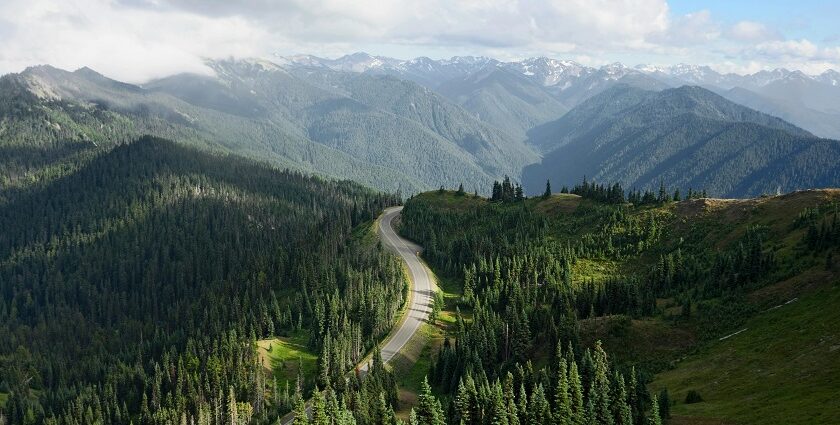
[(428, 410), (547, 192), (621, 407), (664, 404), (562, 401), (300, 415), (540, 411), (654, 418), (232, 411), (319, 414), (576, 393), (462, 403), (510, 401), (498, 407), (601, 387)]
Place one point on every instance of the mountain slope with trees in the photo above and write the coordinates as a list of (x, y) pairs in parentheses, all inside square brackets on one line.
[(385, 133), (134, 288), (653, 278), (689, 137)]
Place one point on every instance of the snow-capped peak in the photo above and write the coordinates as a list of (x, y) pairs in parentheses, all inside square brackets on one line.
[(548, 71)]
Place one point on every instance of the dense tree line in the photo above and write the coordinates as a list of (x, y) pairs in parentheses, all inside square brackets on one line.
[(133, 289), (578, 387), (526, 283)]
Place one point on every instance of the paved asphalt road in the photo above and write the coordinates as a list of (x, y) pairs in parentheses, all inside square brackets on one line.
[(421, 292)]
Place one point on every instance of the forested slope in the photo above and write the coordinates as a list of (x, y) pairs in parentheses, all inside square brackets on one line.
[(653, 279), (380, 131), (688, 137), (133, 288)]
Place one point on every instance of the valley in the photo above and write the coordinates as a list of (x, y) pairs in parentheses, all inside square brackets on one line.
[(367, 240)]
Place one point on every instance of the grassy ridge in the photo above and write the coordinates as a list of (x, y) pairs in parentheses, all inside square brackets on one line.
[(780, 370)]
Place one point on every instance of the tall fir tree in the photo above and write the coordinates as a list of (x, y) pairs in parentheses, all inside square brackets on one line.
[(428, 410)]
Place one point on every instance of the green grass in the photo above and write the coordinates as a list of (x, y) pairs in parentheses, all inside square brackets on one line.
[(784, 369), (3, 398), (651, 343), (288, 356)]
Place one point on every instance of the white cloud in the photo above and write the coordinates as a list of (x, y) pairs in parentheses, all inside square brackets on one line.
[(750, 31), (135, 40), (133, 46), (795, 50), (691, 29)]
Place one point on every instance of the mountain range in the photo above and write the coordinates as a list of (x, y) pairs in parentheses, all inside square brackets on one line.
[(688, 137), (809, 101), (413, 125)]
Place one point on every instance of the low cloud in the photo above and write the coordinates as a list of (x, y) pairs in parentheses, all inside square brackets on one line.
[(749, 31), (135, 40)]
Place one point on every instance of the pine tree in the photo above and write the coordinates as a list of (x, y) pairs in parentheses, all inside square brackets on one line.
[(663, 194), (562, 401), (300, 416), (576, 392), (621, 407), (540, 411), (664, 404), (498, 407), (385, 412), (654, 418), (428, 411), (462, 403), (547, 192), (319, 414), (232, 411), (460, 191), (510, 401), (601, 387)]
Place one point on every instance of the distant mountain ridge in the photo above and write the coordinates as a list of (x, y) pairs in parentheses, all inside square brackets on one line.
[(553, 72), (385, 132), (688, 137), (419, 124), (782, 92)]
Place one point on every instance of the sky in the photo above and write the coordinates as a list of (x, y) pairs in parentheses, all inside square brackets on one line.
[(138, 40)]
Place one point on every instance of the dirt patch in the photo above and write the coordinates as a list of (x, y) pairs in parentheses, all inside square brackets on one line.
[(693, 208), (652, 341), (559, 204), (691, 420), (798, 285)]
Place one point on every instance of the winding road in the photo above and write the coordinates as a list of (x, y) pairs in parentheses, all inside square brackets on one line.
[(420, 299), (421, 288)]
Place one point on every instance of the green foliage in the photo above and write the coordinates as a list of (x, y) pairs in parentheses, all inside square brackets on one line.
[(140, 282), (693, 397), (531, 270)]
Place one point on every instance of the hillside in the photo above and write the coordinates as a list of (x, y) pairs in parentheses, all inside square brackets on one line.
[(504, 98), (382, 132), (661, 284), (689, 137), (821, 123), (141, 280)]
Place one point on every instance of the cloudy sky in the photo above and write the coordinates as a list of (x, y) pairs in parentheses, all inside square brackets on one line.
[(135, 40)]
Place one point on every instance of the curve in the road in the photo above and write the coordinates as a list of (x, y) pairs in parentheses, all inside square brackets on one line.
[(421, 298), (421, 289)]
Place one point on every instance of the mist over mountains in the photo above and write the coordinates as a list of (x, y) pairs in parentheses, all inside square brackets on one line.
[(413, 125), (790, 94)]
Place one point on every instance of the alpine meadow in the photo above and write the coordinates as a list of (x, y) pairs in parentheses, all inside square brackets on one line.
[(513, 212)]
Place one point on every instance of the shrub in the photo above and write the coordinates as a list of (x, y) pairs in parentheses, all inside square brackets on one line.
[(693, 397)]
